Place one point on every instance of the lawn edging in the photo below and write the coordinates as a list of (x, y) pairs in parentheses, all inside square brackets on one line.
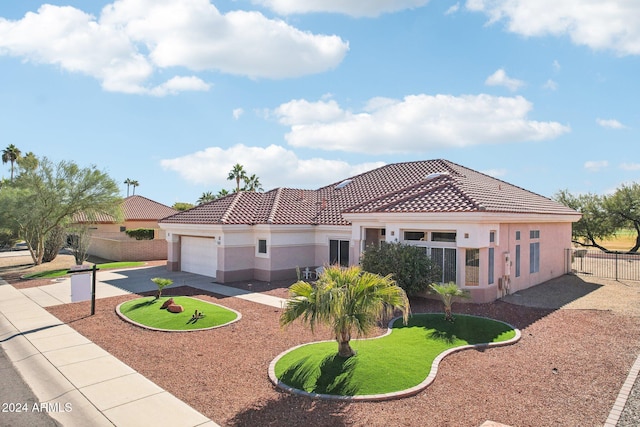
[(396, 394), (151, 328)]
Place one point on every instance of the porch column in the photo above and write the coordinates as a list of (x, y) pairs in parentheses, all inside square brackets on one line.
[(173, 252)]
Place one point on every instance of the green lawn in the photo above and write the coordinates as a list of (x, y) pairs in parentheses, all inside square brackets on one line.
[(52, 274), (392, 363), (146, 311)]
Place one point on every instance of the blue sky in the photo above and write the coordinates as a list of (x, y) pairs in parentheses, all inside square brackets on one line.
[(171, 93)]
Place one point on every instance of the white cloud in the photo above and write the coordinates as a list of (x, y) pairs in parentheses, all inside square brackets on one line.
[(495, 172), (610, 123), (274, 165), (556, 65), (550, 84), (179, 84), (237, 112), (453, 9), (132, 39), (500, 78), (596, 165), (357, 8), (611, 24), (630, 166), (417, 123)]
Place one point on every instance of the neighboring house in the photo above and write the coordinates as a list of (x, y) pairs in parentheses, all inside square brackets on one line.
[(108, 237), (488, 236)]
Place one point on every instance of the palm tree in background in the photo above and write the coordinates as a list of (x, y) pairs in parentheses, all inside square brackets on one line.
[(252, 183), (238, 174), (347, 300), (134, 184), (206, 197), (222, 193), (10, 155), (128, 182)]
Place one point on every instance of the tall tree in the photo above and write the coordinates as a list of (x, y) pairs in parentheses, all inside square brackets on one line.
[(237, 174), (10, 155), (348, 300), (49, 196), (624, 208), (206, 197), (28, 161), (595, 224), (252, 183), (128, 181), (134, 184)]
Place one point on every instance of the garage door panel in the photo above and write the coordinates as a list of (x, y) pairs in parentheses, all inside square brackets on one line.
[(199, 255)]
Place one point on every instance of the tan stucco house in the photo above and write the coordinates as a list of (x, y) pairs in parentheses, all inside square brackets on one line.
[(110, 241), (488, 236)]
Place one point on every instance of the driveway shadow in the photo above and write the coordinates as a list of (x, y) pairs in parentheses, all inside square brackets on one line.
[(553, 294)]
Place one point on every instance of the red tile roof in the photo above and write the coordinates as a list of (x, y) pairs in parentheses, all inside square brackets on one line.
[(422, 186), (135, 208)]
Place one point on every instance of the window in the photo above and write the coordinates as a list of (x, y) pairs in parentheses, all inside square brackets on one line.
[(472, 267), (262, 246), (438, 236), (445, 258), (534, 234), (517, 260), (534, 257), (414, 235), (491, 264), (339, 252), (517, 235), (492, 236)]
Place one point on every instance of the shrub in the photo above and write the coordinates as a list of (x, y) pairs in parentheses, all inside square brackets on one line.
[(53, 243), (141, 233), (410, 266), (7, 238)]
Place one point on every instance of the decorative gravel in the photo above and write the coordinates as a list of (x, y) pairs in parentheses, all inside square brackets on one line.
[(566, 370)]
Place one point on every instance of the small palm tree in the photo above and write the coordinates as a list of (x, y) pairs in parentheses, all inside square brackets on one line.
[(206, 197), (222, 193), (10, 155), (347, 300), (161, 283), (134, 184), (238, 174), (447, 294)]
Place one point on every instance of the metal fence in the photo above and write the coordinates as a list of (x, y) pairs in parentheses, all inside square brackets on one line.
[(610, 265)]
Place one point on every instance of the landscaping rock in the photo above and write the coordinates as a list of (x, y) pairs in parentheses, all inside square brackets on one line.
[(173, 308), (167, 303)]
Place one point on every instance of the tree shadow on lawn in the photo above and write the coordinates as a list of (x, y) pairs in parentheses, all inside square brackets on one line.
[(333, 375), (290, 410)]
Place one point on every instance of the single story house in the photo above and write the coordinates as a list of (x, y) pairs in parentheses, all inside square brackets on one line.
[(108, 235), (488, 236)]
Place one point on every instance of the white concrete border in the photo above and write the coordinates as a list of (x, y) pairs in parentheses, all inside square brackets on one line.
[(393, 395), (141, 325)]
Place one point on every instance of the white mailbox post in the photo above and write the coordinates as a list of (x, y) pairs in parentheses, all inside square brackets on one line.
[(83, 285)]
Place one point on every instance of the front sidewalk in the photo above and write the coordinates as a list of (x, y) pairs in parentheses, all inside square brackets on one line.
[(76, 381)]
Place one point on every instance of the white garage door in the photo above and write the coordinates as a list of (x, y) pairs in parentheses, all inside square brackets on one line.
[(199, 255)]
